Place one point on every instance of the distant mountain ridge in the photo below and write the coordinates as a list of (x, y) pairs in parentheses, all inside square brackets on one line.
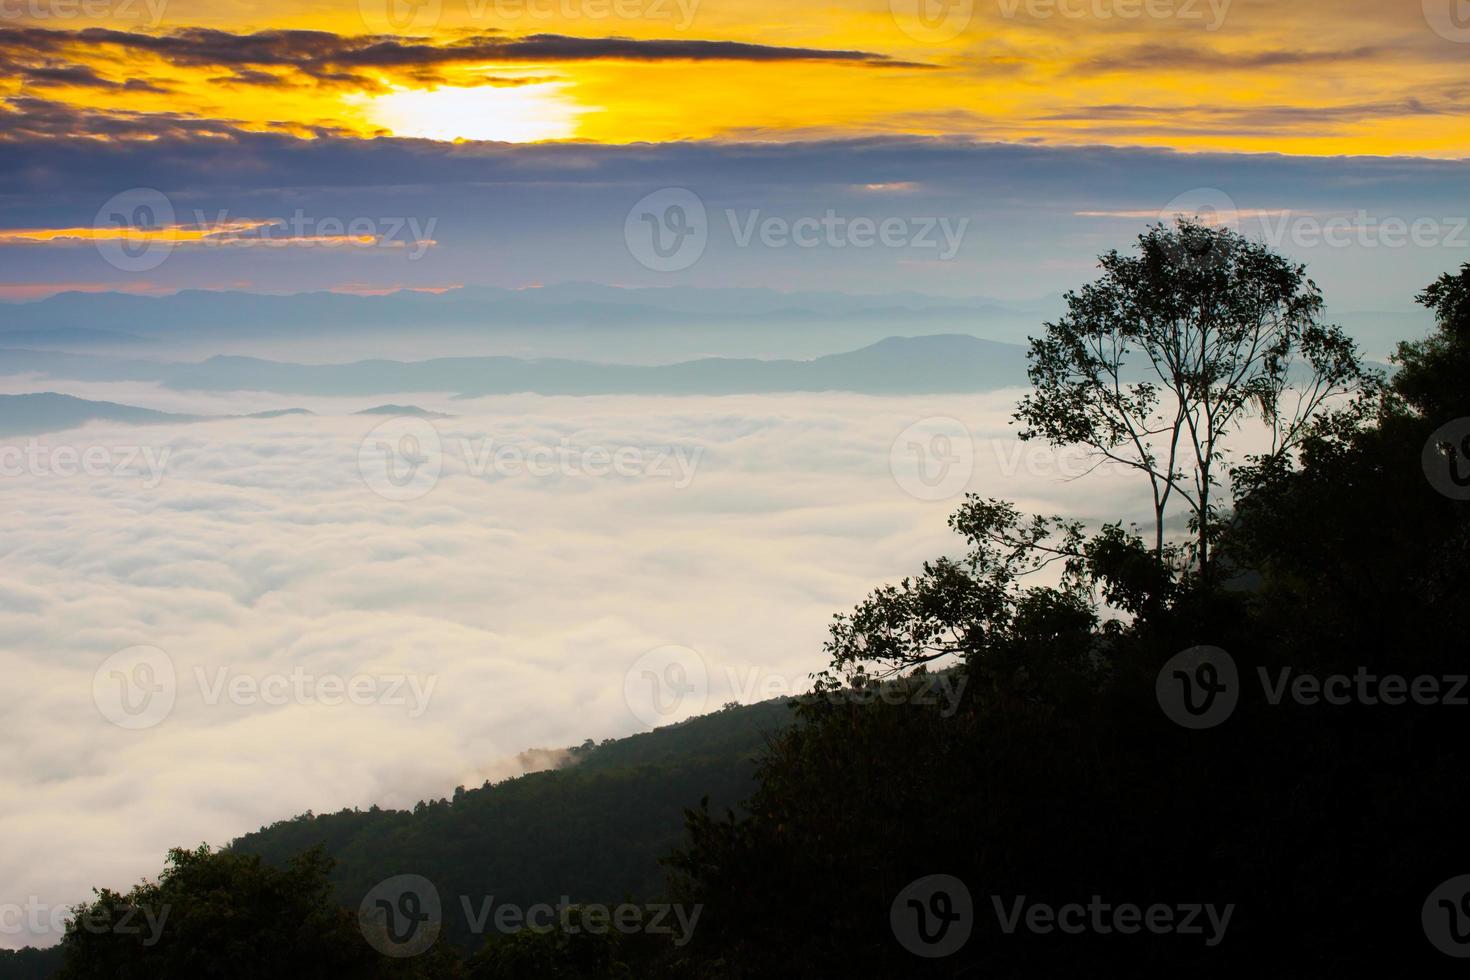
[(648, 324), (948, 363), (35, 414), (198, 309), (636, 325)]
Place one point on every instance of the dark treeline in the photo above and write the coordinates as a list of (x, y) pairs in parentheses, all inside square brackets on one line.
[(1141, 721)]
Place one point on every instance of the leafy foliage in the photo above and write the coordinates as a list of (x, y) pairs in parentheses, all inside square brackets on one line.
[(219, 914), (1171, 350)]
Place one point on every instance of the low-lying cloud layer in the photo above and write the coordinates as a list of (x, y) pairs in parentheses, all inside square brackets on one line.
[(500, 611)]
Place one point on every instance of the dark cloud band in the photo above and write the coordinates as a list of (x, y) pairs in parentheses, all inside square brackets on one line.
[(337, 59)]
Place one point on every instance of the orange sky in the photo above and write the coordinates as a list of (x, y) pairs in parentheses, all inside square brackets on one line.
[(1294, 76)]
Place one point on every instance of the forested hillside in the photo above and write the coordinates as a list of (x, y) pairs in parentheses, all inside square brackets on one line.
[(593, 830)]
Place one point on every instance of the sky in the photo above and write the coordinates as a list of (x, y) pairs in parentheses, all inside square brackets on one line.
[(1302, 76), (431, 144)]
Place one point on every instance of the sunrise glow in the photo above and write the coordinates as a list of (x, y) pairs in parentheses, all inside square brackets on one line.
[(523, 114)]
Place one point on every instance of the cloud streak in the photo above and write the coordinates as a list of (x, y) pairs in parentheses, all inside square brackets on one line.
[(274, 58), (1155, 57)]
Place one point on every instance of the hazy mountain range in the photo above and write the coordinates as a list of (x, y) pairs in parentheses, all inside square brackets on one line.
[(651, 325), (50, 412), (648, 325), (897, 365)]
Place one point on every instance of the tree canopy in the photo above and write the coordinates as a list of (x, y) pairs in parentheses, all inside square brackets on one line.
[(1173, 349)]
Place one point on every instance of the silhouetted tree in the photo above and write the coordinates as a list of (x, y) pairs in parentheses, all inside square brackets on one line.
[(1156, 363), (225, 915)]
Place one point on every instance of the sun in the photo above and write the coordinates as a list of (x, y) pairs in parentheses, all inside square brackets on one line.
[(515, 114)]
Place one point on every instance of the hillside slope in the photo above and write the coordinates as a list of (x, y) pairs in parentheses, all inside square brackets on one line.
[(592, 831)]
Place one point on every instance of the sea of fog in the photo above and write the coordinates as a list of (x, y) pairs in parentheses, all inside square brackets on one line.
[(208, 627)]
